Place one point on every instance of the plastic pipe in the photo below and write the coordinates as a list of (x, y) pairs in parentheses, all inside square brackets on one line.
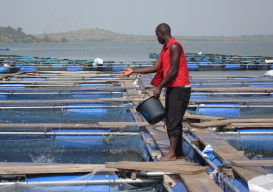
[(169, 189)]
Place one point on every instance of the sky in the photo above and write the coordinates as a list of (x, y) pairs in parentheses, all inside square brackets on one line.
[(140, 17)]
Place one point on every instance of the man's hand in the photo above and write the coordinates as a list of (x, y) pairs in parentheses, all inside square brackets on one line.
[(157, 92), (125, 72)]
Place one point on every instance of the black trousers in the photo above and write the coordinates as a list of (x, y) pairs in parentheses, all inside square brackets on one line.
[(176, 103)]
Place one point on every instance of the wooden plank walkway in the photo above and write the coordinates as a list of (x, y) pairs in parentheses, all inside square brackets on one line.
[(194, 183), (160, 136), (200, 183), (181, 168), (203, 117), (210, 124), (42, 168), (251, 125), (251, 163)]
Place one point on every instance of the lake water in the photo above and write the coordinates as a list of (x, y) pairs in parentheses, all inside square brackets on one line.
[(130, 51)]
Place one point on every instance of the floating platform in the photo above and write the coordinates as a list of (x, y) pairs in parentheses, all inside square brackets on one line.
[(48, 116)]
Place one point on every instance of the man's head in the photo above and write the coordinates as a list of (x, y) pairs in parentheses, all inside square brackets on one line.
[(162, 32)]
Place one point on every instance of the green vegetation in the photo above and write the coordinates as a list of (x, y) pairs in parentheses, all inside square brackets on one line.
[(100, 35), (108, 139), (10, 35)]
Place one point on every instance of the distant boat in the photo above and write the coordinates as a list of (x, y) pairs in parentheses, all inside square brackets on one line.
[(4, 49)]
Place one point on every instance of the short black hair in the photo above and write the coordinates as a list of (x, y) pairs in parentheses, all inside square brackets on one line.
[(164, 27)]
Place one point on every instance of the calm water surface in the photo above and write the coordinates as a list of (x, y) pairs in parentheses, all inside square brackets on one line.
[(128, 52), (131, 51)]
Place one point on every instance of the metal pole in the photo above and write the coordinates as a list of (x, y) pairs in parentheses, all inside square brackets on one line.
[(66, 107), (148, 146), (66, 133), (246, 133), (57, 93), (84, 182)]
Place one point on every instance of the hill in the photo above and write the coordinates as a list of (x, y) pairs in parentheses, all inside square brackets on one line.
[(10, 35), (95, 35), (101, 35)]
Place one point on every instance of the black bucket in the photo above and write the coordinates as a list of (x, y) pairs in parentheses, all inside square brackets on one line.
[(152, 110)]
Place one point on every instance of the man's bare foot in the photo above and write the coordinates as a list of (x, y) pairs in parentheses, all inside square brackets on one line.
[(168, 158)]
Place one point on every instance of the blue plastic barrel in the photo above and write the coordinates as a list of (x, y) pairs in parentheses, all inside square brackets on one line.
[(231, 111), (206, 64), (118, 68), (232, 66), (74, 68), (3, 95), (270, 67), (78, 142), (28, 68), (190, 59), (3, 69), (199, 96), (99, 112), (199, 59), (193, 67)]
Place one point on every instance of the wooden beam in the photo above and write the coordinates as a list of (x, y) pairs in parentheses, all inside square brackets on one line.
[(161, 166), (42, 168), (200, 182), (203, 117), (246, 174), (210, 124), (172, 180), (251, 125), (249, 120), (115, 124), (251, 163)]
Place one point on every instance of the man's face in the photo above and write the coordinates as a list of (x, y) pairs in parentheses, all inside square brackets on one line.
[(160, 37)]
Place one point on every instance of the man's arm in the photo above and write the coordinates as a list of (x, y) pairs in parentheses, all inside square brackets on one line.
[(129, 71), (175, 53)]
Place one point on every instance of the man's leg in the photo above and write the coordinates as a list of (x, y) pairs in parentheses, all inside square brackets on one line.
[(176, 102), (171, 154)]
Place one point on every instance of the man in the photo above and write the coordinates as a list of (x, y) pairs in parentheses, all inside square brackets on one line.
[(172, 72)]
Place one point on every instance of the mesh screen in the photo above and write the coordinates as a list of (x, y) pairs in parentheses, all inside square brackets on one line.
[(71, 149)]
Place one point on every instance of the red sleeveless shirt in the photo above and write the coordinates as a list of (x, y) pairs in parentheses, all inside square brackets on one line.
[(182, 77)]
